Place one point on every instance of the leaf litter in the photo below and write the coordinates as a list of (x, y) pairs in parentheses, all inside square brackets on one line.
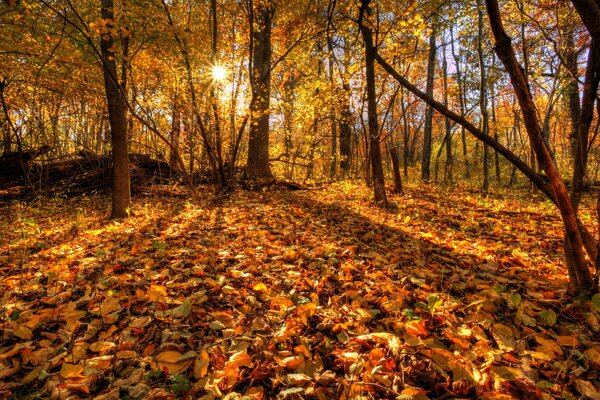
[(303, 295)]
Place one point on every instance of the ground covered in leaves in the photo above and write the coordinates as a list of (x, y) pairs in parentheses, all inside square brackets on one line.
[(303, 295)]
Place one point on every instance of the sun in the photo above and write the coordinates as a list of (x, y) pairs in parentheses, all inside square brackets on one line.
[(219, 73)]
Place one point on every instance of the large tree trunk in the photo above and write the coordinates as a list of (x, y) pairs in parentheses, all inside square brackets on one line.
[(373, 132), (115, 98), (579, 274), (257, 166), (427, 137)]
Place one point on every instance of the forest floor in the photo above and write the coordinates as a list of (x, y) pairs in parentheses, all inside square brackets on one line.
[(314, 294)]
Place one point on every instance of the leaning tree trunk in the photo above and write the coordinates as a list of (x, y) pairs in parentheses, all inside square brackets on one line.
[(580, 277), (257, 166), (115, 98), (373, 132)]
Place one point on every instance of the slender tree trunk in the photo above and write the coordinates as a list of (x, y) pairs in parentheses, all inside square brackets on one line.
[(461, 102), (115, 98), (571, 90), (483, 98), (175, 133), (406, 145), (448, 173), (214, 98), (396, 170), (333, 161), (345, 131), (427, 137), (580, 142), (495, 133), (373, 131), (257, 165)]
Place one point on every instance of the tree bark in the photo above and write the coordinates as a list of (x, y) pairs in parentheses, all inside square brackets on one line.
[(345, 131), (483, 98), (175, 133), (427, 136), (396, 170), (115, 99), (373, 132), (448, 170), (257, 165), (584, 121)]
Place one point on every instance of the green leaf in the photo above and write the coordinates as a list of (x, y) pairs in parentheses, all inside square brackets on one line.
[(433, 302), (544, 384), (515, 299), (596, 301), (548, 316)]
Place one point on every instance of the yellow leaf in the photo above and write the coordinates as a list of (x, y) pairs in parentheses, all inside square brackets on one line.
[(260, 287), (241, 359), (504, 336), (201, 364), (172, 361), (23, 332), (593, 354), (102, 346), (157, 293), (140, 322), (109, 306), (567, 341), (126, 354), (71, 371), (168, 357)]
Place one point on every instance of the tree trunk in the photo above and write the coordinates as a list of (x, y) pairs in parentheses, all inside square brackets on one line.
[(584, 121), (483, 98), (115, 98), (427, 137), (396, 170), (175, 133), (579, 274), (461, 102), (345, 131), (257, 166), (373, 131), (448, 173)]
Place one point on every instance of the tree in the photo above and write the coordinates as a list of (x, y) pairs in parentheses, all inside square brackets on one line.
[(116, 93), (373, 133), (427, 136), (551, 184), (261, 15)]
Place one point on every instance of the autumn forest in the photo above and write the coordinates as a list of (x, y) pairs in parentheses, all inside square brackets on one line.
[(303, 199)]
